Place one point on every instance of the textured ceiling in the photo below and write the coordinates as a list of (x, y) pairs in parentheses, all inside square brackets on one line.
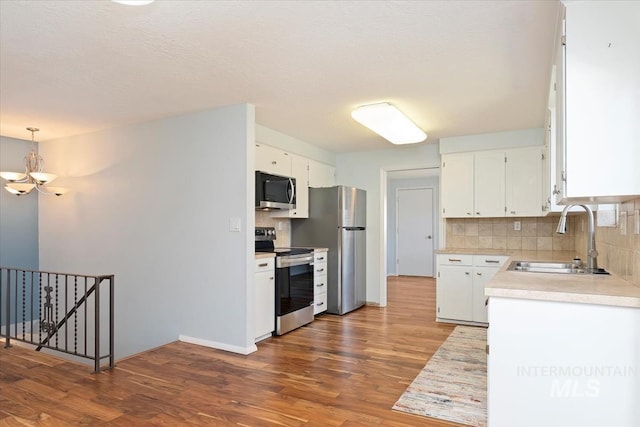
[(455, 67)]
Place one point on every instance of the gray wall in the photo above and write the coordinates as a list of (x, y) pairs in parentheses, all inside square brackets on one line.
[(393, 185), (151, 203), (18, 214)]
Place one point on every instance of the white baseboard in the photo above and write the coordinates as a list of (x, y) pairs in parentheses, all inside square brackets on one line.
[(218, 345)]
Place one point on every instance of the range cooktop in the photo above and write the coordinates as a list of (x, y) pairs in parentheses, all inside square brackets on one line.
[(264, 243), (286, 251)]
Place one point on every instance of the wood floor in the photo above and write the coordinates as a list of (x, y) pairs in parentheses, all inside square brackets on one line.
[(337, 371)]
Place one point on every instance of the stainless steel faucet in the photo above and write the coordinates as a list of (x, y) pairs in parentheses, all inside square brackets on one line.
[(592, 254)]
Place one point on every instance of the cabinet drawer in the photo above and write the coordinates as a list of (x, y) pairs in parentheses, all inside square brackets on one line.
[(264, 264), (455, 259), (319, 284), (319, 269), (320, 303), (489, 260), (320, 257)]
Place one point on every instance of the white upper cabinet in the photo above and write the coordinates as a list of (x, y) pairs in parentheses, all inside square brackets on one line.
[(473, 184), (457, 185), (524, 183), (597, 102), (299, 171), (489, 184), (493, 183), (272, 160), (321, 174)]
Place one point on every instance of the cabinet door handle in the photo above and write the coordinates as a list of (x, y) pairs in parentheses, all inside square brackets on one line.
[(454, 260), (513, 212), (467, 273), (320, 258), (271, 278), (263, 264), (477, 213), (320, 304), (319, 285), (273, 162), (469, 213), (320, 270), (486, 302), (492, 261), (479, 274)]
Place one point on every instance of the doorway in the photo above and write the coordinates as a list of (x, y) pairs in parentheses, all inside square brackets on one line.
[(414, 231), (394, 180)]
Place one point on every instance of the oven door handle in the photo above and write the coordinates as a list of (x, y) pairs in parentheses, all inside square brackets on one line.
[(282, 262)]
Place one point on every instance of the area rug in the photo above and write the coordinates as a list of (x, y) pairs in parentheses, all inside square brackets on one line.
[(453, 384)]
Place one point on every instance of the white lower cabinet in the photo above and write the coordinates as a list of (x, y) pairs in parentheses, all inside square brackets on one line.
[(555, 363), (265, 293), (319, 282), (460, 286)]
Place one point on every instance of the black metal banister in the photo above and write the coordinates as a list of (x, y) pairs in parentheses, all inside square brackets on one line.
[(61, 308), (66, 317)]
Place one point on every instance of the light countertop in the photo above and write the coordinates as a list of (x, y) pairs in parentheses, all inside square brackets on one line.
[(578, 288)]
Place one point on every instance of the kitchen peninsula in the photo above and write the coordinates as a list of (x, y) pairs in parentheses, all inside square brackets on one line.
[(568, 343)]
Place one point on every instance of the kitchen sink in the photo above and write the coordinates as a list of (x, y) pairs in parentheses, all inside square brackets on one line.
[(547, 267)]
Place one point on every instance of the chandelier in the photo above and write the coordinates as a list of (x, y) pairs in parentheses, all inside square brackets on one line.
[(20, 183)]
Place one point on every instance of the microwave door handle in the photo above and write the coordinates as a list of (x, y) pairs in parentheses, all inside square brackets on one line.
[(291, 190)]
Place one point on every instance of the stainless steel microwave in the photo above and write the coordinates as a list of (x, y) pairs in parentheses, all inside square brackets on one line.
[(275, 191)]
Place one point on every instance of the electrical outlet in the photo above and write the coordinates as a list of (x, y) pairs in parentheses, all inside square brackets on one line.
[(280, 225), (516, 225), (636, 221), (623, 223)]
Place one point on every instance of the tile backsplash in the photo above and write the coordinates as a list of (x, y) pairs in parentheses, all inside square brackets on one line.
[(617, 252), (500, 233), (283, 234)]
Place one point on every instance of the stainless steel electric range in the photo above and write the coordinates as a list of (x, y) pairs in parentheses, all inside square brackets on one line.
[(294, 281)]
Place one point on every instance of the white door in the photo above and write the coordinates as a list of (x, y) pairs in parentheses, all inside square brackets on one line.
[(415, 232)]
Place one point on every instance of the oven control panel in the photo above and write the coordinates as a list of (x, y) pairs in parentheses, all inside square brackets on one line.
[(265, 233)]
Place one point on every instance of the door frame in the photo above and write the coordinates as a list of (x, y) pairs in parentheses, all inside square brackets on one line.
[(383, 183), (434, 212)]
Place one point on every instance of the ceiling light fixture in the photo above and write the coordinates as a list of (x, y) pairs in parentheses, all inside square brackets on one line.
[(134, 2), (22, 183), (389, 122)]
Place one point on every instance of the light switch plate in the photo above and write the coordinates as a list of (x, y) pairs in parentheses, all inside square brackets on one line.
[(623, 223), (636, 221), (234, 224)]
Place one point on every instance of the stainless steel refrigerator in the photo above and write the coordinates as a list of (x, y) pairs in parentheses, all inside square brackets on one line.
[(337, 221)]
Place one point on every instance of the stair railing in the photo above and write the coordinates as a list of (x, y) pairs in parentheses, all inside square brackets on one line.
[(68, 313)]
